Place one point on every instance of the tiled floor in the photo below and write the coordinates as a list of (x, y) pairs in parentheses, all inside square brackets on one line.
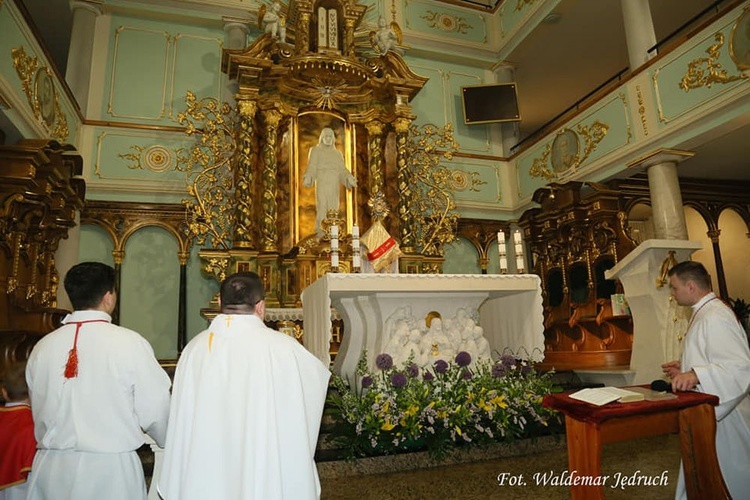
[(646, 457)]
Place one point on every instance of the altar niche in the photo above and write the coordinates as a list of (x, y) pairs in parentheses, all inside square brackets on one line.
[(306, 130)]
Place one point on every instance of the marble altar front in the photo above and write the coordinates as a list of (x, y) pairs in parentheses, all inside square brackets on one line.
[(509, 310)]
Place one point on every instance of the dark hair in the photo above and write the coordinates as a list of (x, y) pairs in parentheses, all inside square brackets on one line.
[(240, 292), (692, 271), (14, 381), (86, 283)]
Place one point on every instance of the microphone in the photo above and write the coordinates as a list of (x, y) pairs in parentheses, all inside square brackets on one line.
[(661, 386)]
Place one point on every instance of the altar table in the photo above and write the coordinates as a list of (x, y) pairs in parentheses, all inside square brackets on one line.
[(510, 310), (691, 414)]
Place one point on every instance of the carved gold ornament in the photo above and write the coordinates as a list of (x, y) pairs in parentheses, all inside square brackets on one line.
[(705, 71), (522, 3), (566, 152), (432, 220), (461, 181), (39, 86), (446, 22), (209, 212), (155, 158), (739, 41)]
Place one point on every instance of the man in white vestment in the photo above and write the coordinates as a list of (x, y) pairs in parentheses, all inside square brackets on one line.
[(715, 360), (95, 388), (246, 408)]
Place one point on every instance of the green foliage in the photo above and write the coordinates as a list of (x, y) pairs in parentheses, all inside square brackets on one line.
[(406, 408)]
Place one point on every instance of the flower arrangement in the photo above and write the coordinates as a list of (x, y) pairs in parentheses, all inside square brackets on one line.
[(408, 408)]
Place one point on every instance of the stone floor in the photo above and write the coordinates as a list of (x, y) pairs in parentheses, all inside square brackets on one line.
[(659, 456)]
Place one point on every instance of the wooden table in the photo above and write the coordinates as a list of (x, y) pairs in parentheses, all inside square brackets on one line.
[(691, 414)]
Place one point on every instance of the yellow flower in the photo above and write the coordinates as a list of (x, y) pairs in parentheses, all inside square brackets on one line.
[(499, 401), (412, 410), (387, 426), (458, 430)]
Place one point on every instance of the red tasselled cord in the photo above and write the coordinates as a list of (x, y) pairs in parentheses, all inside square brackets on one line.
[(71, 367)]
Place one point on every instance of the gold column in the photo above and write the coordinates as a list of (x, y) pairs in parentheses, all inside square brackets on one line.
[(243, 176), (375, 139), (349, 37), (268, 233), (403, 184)]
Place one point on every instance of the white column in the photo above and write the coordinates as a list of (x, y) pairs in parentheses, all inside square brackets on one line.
[(78, 70), (666, 199), (236, 33), (639, 31)]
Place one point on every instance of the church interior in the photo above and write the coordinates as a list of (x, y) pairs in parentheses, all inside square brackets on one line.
[(176, 140)]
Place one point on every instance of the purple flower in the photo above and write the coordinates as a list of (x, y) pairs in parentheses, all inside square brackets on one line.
[(463, 358), (499, 370), (398, 379), (441, 366), (525, 369), (412, 370), (467, 374), (384, 361), (508, 360), (366, 382), (428, 376)]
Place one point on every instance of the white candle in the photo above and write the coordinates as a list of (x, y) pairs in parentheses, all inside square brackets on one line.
[(503, 264), (334, 259), (334, 243), (334, 231), (517, 236), (519, 263), (355, 231), (356, 262)]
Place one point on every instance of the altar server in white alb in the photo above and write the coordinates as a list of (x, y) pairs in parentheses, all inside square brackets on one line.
[(715, 360), (246, 408), (95, 388)]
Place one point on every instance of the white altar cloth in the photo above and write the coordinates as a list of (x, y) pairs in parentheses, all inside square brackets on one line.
[(510, 310)]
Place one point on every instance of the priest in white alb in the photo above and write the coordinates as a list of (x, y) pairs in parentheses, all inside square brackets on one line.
[(246, 408), (715, 360)]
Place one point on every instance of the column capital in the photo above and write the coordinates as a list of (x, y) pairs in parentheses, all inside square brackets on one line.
[(93, 6), (660, 156), (231, 23)]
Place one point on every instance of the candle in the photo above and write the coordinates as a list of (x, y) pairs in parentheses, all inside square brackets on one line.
[(334, 231), (355, 231), (503, 264), (356, 262), (334, 260), (334, 243), (519, 264), (517, 236)]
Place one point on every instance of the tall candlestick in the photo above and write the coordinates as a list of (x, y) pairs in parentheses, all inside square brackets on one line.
[(356, 262), (334, 231), (335, 260), (334, 243), (517, 236), (355, 231)]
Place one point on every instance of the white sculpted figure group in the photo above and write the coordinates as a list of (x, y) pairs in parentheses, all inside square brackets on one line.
[(406, 336)]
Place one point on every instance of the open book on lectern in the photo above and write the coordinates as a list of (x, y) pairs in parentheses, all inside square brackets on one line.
[(602, 395)]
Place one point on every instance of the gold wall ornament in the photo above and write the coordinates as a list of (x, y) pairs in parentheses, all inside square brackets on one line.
[(705, 71), (592, 136), (210, 180), (520, 4), (462, 180), (739, 41), (446, 22), (39, 86), (156, 158), (430, 201), (539, 168), (641, 109), (668, 264)]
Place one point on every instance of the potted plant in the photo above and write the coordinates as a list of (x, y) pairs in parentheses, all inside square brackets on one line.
[(742, 311)]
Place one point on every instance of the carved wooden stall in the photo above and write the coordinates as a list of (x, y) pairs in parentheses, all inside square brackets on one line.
[(579, 232), (40, 192)]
